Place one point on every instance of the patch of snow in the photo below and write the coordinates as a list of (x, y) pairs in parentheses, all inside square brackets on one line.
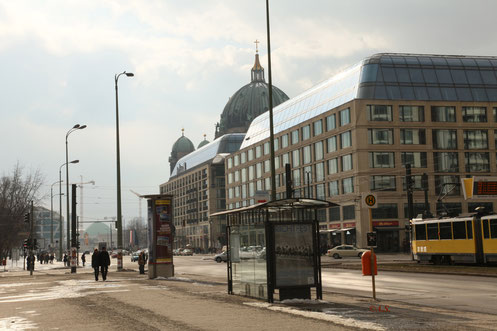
[(16, 323)]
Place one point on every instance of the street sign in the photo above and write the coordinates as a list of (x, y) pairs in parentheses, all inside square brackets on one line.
[(261, 196), (371, 238), (369, 200)]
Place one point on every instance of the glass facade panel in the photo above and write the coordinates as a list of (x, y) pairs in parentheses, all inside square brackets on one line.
[(348, 212), (380, 136), (306, 132), (415, 159), (385, 211), (446, 162), (284, 141), (411, 113), (318, 151), (348, 185), (448, 184), (331, 144), (250, 154), (332, 166), (344, 117), (477, 162), (382, 183), (444, 139), (258, 151), (347, 162), (295, 158), (412, 136), (295, 137), (379, 113), (443, 114), (331, 122), (345, 139), (333, 189), (306, 151), (318, 127), (474, 114), (319, 172)]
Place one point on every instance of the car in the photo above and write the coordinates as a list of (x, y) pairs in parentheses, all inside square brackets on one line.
[(221, 257), (345, 251), (186, 252), (134, 256)]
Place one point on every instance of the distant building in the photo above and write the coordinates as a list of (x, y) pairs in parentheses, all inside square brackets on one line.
[(354, 133), (43, 228)]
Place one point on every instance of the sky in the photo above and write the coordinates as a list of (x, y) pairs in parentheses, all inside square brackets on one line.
[(59, 59)]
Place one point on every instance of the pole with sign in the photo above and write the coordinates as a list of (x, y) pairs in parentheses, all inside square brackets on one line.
[(370, 201)]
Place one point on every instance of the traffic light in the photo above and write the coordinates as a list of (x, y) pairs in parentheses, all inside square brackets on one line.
[(26, 244), (77, 244), (26, 217)]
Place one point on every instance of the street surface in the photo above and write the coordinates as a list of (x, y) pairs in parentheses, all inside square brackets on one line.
[(196, 299)]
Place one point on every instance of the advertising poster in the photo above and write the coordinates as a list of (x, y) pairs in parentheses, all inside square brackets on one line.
[(163, 231), (150, 234), (294, 255)]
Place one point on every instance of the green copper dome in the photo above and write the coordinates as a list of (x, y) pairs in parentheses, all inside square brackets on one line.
[(203, 143), (248, 102), (183, 145)]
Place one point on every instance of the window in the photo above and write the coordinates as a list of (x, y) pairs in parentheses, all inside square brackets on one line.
[(334, 214), (333, 188), (318, 151), (295, 137), (251, 172), (379, 113), (244, 175), (332, 144), (344, 117), (331, 122), (348, 212), (320, 192), (258, 170), (284, 141), (267, 165), (444, 139), (475, 139), (333, 166), (446, 162), (237, 176), (432, 231), (459, 229), (477, 162), (417, 208), (381, 160), (295, 158), (443, 114), (412, 136), (486, 232), (318, 128), (319, 172), (345, 139), (445, 230), (412, 113), (258, 151), (488, 206), (276, 144), (382, 183), (230, 178), (306, 153), (415, 159), (347, 162), (296, 177), (493, 228), (243, 158), (447, 184), (449, 208), (237, 160), (250, 154), (266, 148), (230, 163), (385, 210), (348, 185), (380, 136), (474, 114), (420, 231), (306, 132)]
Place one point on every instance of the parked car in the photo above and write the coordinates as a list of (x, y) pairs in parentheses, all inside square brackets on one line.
[(345, 251), (221, 257), (134, 256), (187, 252)]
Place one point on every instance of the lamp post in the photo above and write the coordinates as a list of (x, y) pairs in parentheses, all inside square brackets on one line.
[(51, 214), (270, 96), (74, 128), (61, 225), (118, 165)]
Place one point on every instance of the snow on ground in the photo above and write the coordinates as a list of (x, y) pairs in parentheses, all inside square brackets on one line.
[(16, 323)]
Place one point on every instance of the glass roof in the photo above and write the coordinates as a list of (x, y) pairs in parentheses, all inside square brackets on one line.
[(387, 77), (228, 143)]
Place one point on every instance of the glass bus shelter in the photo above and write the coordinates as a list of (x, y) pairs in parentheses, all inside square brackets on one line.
[(273, 247)]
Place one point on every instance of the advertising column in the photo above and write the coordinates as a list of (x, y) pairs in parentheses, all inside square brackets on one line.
[(161, 231)]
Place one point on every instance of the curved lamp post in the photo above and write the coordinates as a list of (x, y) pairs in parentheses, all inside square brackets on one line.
[(51, 214), (61, 225), (74, 128), (118, 157)]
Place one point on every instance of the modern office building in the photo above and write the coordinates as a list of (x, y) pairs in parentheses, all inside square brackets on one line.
[(45, 227), (355, 132), (197, 179)]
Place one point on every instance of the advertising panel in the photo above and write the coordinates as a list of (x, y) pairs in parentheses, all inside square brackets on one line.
[(163, 231), (294, 255)]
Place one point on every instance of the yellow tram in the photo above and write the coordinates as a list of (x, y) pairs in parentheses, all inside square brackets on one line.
[(457, 239)]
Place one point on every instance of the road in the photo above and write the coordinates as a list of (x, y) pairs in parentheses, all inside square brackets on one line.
[(464, 293)]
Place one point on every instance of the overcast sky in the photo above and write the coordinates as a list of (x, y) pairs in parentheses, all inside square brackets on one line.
[(59, 58)]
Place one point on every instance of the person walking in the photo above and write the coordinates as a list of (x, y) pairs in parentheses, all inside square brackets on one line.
[(141, 263), (83, 259), (65, 260), (95, 263), (104, 261)]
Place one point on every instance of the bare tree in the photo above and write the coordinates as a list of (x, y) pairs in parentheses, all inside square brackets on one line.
[(17, 190), (139, 231)]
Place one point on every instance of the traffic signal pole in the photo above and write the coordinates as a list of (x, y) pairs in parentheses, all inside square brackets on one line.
[(31, 264)]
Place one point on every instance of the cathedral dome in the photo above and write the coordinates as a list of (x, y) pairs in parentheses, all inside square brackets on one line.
[(203, 142), (248, 102), (183, 146)]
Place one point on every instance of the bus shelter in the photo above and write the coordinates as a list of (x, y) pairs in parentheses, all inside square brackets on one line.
[(273, 248)]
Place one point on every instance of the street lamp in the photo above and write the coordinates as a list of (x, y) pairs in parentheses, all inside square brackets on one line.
[(61, 226), (118, 156), (74, 128), (51, 214)]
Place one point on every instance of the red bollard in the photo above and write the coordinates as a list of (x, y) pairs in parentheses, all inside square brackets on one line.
[(366, 264)]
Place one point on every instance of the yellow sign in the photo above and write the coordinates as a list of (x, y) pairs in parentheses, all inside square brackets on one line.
[(369, 200), (162, 202)]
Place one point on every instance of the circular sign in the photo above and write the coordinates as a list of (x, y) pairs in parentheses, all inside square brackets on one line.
[(370, 200)]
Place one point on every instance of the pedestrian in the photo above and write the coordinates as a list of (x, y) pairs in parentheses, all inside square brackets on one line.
[(104, 262), (83, 259), (95, 264), (51, 258), (46, 258), (65, 260), (141, 263)]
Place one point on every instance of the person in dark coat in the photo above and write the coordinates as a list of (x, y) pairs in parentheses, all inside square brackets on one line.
[(104, 261), (83, 259), (95, 263), (141, 262)]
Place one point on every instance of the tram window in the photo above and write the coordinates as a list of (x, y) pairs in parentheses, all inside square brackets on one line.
[(459, 229), (486, 234), (445, 230), (469, 227), (493, 228), (432, 231), (420, 232)]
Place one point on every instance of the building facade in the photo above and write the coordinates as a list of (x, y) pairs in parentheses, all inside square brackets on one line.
[(45, 227), (355, 132)]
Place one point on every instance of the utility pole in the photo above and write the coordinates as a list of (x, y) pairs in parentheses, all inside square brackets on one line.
[(410, 210), (73, 229), (32, 241)]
